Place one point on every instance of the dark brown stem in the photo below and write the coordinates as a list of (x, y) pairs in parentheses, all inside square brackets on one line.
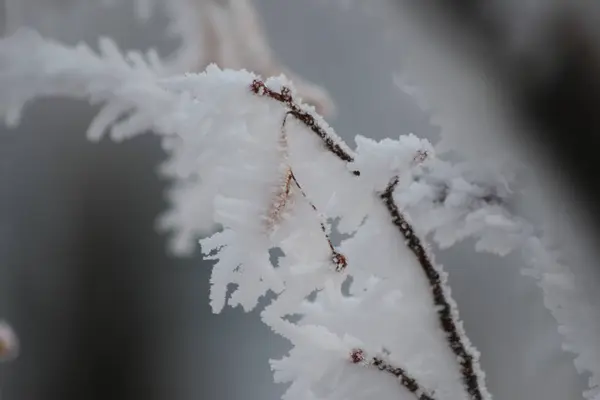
[(447, 315), (285, 96), (357, 356)]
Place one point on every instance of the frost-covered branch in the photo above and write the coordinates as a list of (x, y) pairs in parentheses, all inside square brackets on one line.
[(228, 169), (225, 156), (245, 185), (447, 310), (265, 196)]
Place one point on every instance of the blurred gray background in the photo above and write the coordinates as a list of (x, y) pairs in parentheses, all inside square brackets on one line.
[(102, 311)]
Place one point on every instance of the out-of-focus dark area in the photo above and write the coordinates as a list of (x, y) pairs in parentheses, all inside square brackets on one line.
[(545, 57), (102, 310)]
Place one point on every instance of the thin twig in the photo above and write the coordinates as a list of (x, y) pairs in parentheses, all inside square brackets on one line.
[(358, 356), (446, 312), (338, 259)]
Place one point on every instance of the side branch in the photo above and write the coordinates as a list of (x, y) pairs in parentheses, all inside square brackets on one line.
[(357, 356), (446, 312), (281, 200), (285, 96), (338, 259)]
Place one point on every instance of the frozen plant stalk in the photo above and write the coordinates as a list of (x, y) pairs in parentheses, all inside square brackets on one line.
[(247, 154), (258, 147)]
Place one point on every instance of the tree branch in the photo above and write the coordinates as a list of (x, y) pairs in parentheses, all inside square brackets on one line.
[(447, 313)]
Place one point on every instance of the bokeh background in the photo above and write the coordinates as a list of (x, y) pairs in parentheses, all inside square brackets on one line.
[(104, 312)]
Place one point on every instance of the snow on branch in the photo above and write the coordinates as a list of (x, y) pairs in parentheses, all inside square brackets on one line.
[(247, 155), (447, 311), (232, 143)]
